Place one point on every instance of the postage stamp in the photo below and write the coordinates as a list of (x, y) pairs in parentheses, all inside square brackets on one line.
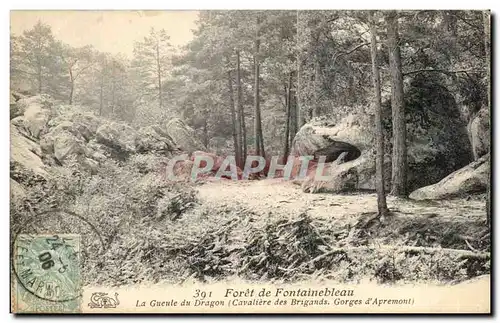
[(250, 161), (47, 270)]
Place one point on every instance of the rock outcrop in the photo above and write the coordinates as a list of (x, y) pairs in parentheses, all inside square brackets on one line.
[(26, 153), (36, 112), (321, 134), (117, 136), (437, 143), (470, 179), (153, 139), (356, 170), (46, 135), (479, 132), (26, 165), (184, 136)]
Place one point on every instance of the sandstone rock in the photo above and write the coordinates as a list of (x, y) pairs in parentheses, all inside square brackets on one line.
[(437, 142), (36, 114), (19, 123), (26, 153), (66, 144), (352, 136), (89, 164), (82, 124), (16, 108), (320, 134), (97, 156), (150, 140), (479, 133), (184, 136), (117, 136), (470, 179), (17, 191)]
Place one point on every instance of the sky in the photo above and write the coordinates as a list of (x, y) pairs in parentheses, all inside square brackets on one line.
[(108, 31)]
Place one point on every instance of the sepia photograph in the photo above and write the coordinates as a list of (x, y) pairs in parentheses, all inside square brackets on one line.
[(250, 161)]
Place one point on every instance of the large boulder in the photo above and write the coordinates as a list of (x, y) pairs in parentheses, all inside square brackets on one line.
[(26, 166), (118, 136), (26, 153), (324, 136), (344, 176), (479, 132), (473, 178), (184, 136), (17, 191), (436, 135), (37, 111), (66, 144), (351, 137), (83, 124), (150, 139), (437, 140)]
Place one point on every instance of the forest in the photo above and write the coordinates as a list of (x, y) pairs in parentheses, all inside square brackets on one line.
[(397, 101)]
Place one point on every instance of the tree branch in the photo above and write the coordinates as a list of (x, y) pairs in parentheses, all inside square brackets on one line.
[(349, 51)]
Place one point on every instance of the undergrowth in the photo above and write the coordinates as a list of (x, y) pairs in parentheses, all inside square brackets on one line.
[(147, 230)]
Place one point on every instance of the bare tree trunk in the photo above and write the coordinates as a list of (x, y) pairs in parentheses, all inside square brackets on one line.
[(101, 93), (242, 139), (487, 52), (381, 201), (317, 85), (158, 70), (292, 108), (287, 123), (71, 85), (39, 76), (399, 152), (71, 91), (235, 121), (113, 84), (259, 143), (299, 116), (205, 132), (298, 105)]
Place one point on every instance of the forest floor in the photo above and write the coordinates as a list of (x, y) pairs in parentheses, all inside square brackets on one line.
[(439, 241), (285, 197), (270, 231)]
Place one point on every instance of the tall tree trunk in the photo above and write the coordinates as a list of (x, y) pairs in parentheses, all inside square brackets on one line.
[(71, 91), (158, 71), (298, 105), (235, 121), (205, 131), (113, 84), (399, 152), (101, 93), (39, 77), (381, 201), (317, 85), (287, 123), (71, 86), (292, 110), (487, 52), (242, 140), (259, 143)]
